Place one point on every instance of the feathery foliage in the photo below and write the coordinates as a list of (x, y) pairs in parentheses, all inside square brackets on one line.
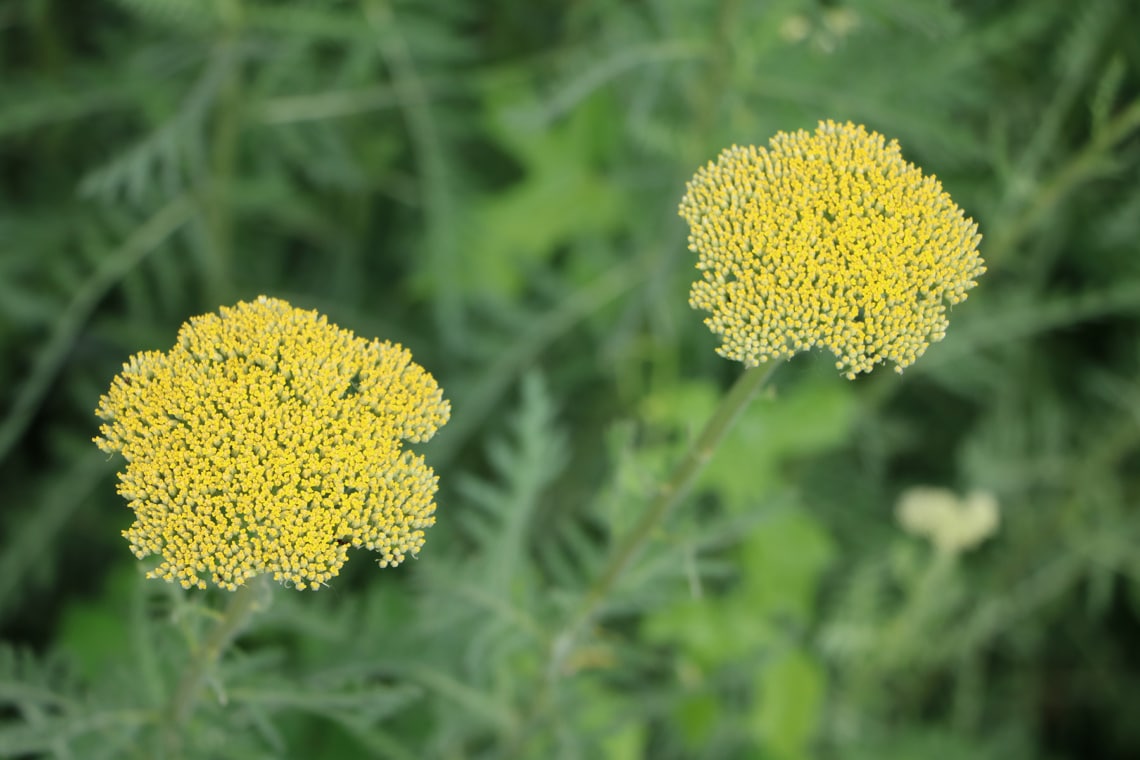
[(495, 186)]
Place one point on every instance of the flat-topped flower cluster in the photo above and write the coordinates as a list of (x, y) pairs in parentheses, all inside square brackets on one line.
[(828, 239), (270, 441)]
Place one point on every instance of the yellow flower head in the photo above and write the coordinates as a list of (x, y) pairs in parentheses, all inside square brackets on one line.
[(269, 441), (828, 239)]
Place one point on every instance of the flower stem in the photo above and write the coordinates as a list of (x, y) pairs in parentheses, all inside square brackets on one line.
[(242, 604), (668, 496)]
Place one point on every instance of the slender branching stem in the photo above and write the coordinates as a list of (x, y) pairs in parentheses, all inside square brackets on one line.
[(241, 606), (666, 499), (671, 493)]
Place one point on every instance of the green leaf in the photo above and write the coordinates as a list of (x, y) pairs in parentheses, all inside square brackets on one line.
[(697, 717), (789, 699), (782, 562), (810, 417), (563, 195)]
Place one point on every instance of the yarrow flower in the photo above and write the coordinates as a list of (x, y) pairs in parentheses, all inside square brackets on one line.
[(269, 441), (828, 239), (951, 524)]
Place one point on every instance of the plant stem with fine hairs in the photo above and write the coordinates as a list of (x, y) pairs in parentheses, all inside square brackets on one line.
[(666, 499), (242, 604)]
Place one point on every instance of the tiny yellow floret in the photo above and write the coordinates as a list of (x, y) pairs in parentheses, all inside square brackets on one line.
[(270, 441), (827, 240)]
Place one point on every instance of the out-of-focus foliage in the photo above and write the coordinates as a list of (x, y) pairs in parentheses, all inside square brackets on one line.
[(495, 185)]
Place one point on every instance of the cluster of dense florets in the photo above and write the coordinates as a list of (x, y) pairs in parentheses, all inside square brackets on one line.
[(828, 239), (269, 441)]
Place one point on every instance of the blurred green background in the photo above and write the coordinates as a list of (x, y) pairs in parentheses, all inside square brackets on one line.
[(495, 185)]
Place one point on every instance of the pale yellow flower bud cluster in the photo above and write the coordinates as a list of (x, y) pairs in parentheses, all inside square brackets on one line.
[(269, 441), (827, 240), (953, 525)]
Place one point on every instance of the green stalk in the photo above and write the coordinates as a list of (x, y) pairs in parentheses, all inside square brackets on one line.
[(671, 493), (1093, 160), (224, 146), (242, 604)]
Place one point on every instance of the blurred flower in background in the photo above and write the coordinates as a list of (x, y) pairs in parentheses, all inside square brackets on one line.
[(951, 524), (828, 239), (825, 33), (269, 441)]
